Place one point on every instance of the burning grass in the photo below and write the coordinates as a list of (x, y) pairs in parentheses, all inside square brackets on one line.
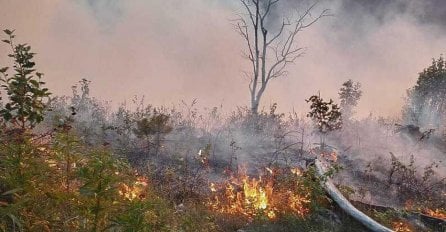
[(436, 213), (400, 226), (137, 190), (439, 213), (262, 196)]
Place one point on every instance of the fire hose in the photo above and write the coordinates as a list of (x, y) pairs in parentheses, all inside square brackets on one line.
[(344, 204)]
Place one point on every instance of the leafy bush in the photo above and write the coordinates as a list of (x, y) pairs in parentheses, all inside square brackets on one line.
[(26, 95), (417, 190), (57, 181)]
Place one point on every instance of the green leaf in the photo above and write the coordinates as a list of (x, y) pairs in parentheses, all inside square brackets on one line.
[(8, 32), (12, 191), (85, 191), (3, 70), (15, 221), (34, 82)]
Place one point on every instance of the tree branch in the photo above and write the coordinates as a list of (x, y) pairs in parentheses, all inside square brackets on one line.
[(282, 42)]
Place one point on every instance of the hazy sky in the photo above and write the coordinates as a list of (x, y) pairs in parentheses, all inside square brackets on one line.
[(172, 50)]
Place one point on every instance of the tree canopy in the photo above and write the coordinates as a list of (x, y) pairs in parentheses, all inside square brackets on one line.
[(349, 94), (426, 100)]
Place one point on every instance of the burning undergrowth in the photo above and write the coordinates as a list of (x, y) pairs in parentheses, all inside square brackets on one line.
[(275, 193), (136, 190), (185, 156), (400, 226), (436, 213)]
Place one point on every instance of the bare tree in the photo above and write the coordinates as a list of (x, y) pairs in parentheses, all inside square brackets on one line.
[(270, 47)]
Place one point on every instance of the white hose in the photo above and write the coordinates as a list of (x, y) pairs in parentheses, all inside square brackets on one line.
[(337, 196)]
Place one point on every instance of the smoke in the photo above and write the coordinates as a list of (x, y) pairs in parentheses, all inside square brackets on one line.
[(107, 12), (430, 12), (382, 44), (172, 50)]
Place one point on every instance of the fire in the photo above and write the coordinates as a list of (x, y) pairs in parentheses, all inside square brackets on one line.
[(437, 213), (250, 197), (212, 187), (296, 171), (333, 157), (136, 190), (269, 170), (203, 156), (399, 226), (255, 194)]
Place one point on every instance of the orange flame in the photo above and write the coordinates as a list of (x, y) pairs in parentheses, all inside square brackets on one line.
[(251, 197), (399, 226), (269, 170), (333, 157), (296, 171), (437, 213), (136, 190)]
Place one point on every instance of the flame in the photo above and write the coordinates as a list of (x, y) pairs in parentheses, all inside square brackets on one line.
[(271, 215), (136, 191), (437, 213), (333, 157), (203, 158), (296, 171), (250, 197), (269, 170), (51, 163), (299, 204), (399, 226), (255, 195), (212, 187)]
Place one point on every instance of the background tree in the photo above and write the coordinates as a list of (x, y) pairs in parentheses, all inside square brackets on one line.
[(326, 115), (349, 94), (270, 46), (426, 101), (26, 94), (153, 129)]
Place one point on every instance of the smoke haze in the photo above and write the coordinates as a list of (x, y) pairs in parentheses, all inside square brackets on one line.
[(172, 50)]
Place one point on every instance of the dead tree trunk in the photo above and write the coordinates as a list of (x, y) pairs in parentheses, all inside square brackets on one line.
[(269, 54)]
